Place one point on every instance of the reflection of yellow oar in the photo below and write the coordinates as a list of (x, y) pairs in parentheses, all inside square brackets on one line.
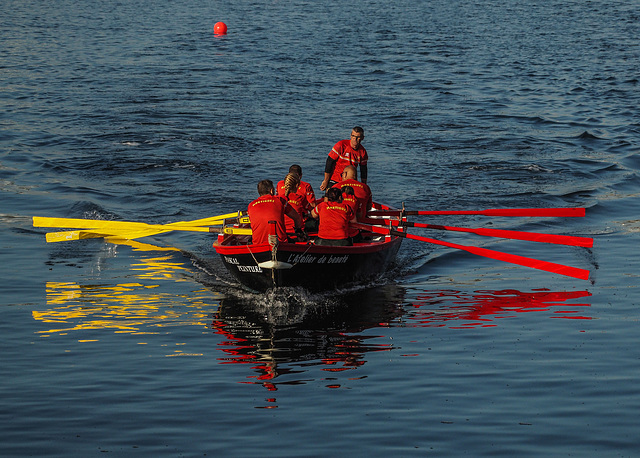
[(138, 246), (151, 230)]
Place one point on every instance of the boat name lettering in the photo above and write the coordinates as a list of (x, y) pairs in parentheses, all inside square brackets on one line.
[(231, 260), (249, 269), (310, 259), (333, 259), (301, 258), (338, 259)]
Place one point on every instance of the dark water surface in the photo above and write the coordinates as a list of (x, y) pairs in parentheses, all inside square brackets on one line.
[(135, 111)]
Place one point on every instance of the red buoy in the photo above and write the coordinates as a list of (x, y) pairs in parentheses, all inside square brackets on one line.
[(220, 28)]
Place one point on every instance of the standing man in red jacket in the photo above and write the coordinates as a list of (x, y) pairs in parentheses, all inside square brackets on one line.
[(344, 153)]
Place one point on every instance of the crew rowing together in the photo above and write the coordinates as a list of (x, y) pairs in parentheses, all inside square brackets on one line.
[(295, 210)]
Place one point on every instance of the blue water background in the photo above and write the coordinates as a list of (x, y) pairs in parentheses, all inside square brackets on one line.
[(135, 111)]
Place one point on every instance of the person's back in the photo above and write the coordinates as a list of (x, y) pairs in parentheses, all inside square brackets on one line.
[(334, 216), (265, 208), (349, 198), (304, 189), (290, 190), (361, 191)]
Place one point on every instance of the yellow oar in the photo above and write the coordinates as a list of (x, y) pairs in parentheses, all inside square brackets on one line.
[(65, 236), (124, 229), (41, 221)]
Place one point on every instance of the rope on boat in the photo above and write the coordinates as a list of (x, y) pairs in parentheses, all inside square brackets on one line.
[(309, 245), (252, 255), (273, 241)]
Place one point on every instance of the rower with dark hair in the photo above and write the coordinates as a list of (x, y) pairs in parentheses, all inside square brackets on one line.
[(349, 198), (334, 216), (269, 207)]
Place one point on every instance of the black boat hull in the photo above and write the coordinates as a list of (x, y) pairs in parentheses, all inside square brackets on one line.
[(313, 267)]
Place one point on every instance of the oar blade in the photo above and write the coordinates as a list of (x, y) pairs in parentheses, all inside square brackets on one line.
[(513, 212), (121, 226), (148, 230), (81, 223), (66, 236), (44, 221), (570, 240), (560, 269), (509, 212)]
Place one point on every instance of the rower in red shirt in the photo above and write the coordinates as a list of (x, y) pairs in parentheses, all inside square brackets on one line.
[(343, 153), (335, 217), (361, 191), (305, 189), (290, 190), (349, 198), (269, 207)]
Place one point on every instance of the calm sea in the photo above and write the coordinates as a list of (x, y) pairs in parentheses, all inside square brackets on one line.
[(134, 110)]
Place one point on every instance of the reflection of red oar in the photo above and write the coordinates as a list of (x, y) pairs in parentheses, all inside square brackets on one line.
[(512, 258), (503, 233), (527, 212)]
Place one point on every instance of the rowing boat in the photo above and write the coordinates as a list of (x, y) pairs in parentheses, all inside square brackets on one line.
[(303, 263), (260, 267)]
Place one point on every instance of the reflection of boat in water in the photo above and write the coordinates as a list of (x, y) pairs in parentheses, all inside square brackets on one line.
[(315, 267), (454, 308), (288, 330), (286, 335)]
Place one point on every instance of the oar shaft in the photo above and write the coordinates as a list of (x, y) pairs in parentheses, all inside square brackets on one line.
[(586, 242), (212, 220), (95, 224), (41, 221), (519, 212)]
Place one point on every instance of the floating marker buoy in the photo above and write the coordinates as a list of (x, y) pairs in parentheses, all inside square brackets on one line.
[(220, 28)]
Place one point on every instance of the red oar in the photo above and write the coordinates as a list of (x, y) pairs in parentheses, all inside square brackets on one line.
[(512, 258), (527, 212), (503, 233)]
